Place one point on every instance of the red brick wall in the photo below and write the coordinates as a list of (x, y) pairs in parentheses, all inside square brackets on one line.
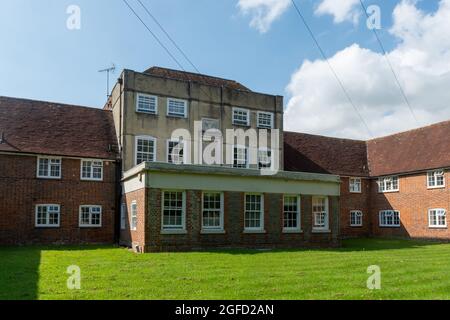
[(354, 201), (20, 191), (413, 201), (136, 237)]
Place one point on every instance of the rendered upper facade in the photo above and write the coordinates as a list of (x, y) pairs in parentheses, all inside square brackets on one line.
[(72, 174)]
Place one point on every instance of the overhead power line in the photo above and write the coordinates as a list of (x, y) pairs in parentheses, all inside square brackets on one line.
[(391, 67), (341, 84)]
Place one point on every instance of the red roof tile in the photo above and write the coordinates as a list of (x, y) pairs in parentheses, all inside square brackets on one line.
[(195, 77), (40, 127)]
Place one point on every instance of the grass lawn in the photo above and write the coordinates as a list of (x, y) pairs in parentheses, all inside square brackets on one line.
[(410, 270)]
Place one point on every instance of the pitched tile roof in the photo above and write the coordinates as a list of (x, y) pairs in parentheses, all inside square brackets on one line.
[(312, 153), (195, 77), (416, 150), (39, 127)]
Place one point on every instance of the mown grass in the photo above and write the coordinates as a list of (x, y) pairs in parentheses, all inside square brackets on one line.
[(410, 270)]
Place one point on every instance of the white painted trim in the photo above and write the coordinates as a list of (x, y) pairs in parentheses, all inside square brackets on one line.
[(92, 170), (437, 226), (219, 229), (325, 228), (184, 150), (90, 225), (389, 225), (149, 138), (247, 155), (361, 215), (48, 177), (428, 179), (243, 110), (382, 180), (123, 216), (272, 119), (133, 203), (147, 96), (261, 229), (36, 225), (298, 229), (177, 115), (174, 229), (350, 184)]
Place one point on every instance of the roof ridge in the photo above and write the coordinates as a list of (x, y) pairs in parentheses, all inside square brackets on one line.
[(193, 73), (323, 136), (53, 103)]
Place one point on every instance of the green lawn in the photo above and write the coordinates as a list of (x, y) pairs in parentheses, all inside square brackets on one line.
[(410, 270)]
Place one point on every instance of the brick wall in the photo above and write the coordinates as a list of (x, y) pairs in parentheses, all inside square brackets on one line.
[(413, 201), (128, 237), (234, 225), (355, 201), (20, 191)]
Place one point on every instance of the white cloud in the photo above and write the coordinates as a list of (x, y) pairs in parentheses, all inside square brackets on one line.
[(422, 63), (342, 10), (263, 12)]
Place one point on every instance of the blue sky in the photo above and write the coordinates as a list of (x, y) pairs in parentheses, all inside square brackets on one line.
[(41, 59)]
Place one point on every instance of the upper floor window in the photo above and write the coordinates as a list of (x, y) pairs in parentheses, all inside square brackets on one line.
[(49, 168), (265, 120), (241, 117), (437, 218), (212, 215), (174, 207), (145, 149), (177, 108), (175, 151), (291, 213), (264, 158), (146, 103), (388, 184), (356, 218), (90, 216), (254, 212), (355, 185), (92, 170), (47, 215), (320, 213), (436, 179), (209, 124), (133, 216), (240, 157), (389, 218)]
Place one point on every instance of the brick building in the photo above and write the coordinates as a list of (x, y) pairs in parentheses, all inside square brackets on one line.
[(71, 174)]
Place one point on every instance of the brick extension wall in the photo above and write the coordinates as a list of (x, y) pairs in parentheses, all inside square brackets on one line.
[(233, 224), (20, 191)]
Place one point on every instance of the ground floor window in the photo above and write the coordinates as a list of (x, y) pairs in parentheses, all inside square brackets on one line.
[(389, 218), (356, 218), (291, 213), (134, 220), (90, 216), (48, 215), (320, 213), (254, 212), (212, 213), (173, 217), (437, 218), (123, 216)]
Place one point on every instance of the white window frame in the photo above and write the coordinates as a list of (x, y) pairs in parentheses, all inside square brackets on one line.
[(133, 215), (247, 111), (393, 212), (169, 229), (184, 150), (326, 226), (90, 225), (47, 225), (299, 219), (434, 174), (437, 226), (259, 229), (262, 126), (354, 181), (247, 156), (123, 216), (358, 214), (221, 226), (150, 97), (177, 115), (92, 170), (383, 181), (267, 150), (49, 167), (148, 138)]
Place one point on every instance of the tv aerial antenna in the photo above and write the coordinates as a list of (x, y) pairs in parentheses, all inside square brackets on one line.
[(108, 71)]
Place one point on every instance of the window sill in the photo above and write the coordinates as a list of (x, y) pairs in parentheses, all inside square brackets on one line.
[(389, 226), (321, 231), (356, 192), (254, 231), (439, 187), (393, 191), (292, 231), (212, 232), (49, 178), (356, 226), (241, 125), (437, 227), (90, 227), (146, 112), (176, 116), (169, 232), (47, 227)]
